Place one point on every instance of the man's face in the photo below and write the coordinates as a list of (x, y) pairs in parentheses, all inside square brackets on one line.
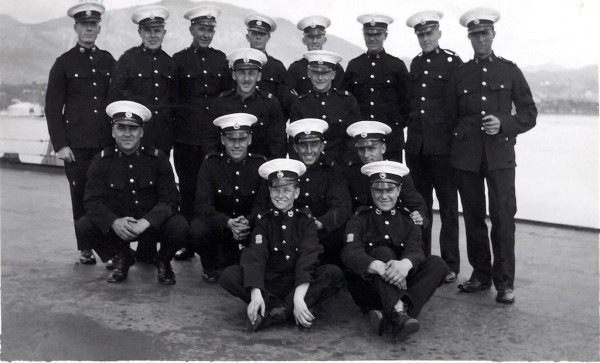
[(152, 37), (385, 199), (482, 42), (283, 197), (321, 80), (309, 152), (87, 32), (374, 42), (314, 41), (246, 80), (258, 40), (429, 40), (236, 148), (127, 136), (371, 153), (202, 34)]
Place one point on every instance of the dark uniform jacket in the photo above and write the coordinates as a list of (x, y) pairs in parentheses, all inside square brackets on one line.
[(268, 133), (371, 228), (488, 87), (140, 185), (340, 110), (76, 99), (360, 191), (277, 81), (380, 84), (429, 130), (203, 73), (149, 78), (302, 84), (284, 250), (324, 192), (227, 189)]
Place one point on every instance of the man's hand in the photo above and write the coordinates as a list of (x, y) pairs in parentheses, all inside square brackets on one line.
[(239, 226), (123, 228), (66, 154), (140, 226), (256, 306), (416, 218), (319, 224), (396, 272), (491, 125), (302, 314), (376, 267)]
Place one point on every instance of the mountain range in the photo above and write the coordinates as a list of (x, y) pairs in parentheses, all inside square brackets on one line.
[(29, 50)]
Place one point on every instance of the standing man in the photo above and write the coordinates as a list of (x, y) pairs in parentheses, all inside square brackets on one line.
[(314, 31), (338, 108), (203, 73), (268, 133), (379, 82), (275, 78), (324, 191), (385, 251), (228, 197), (430, 135), (480, 98), (75, 101), (147, 75), (131, 196)]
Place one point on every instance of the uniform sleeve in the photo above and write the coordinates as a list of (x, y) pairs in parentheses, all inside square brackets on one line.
[(276, 132), (413, 245), (349, 86), (451, 104), (308, 253), (339, 204), (402, 92), (354, 254), (55, 101), (98, 212), (526, 113), (168, 195), (261, 203), (338, 81), (118, 81), (412, 199), (254, 258), (205, 200)]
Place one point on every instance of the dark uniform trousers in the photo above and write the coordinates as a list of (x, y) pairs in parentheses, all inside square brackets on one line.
[(75, 103), (373, 234), (302, 84), (225, 189), (203, 73), (282, 254), (139, 185), (428, 146), (482, 87), (324, 192), (380, 84), (339, 109), (149, 78)]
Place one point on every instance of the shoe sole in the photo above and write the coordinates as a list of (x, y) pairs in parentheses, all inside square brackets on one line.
[(409, 328), (470, 290), (87, 262)]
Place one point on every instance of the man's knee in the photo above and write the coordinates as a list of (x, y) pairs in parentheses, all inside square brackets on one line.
[(177, 228), (85, 229), (232, 278), (200, 233)]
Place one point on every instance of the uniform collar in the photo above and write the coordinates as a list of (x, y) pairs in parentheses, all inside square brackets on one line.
[(434, 53), (376, 55), (320, 94), (489, 59), (289, 213), (230, 161), (392, 212), (146, 49), (85, 50), (197, 49)]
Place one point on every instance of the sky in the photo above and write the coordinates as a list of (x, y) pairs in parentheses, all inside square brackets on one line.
[(530, 32)]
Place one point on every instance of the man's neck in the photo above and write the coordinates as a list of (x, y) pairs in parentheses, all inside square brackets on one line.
[(86, 45)]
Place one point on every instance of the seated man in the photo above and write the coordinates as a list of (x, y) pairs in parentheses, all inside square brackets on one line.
[(278, 275), (227, 197), (324, 190), (385, 248), (131, 196)]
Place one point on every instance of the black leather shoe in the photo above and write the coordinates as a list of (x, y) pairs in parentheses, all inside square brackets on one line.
[(450, 277), (403, 325), (87, 257), (506, 296), (110, 264), (473, 285), (184, 254), (377, 321), (165, 273), (211, 277), (275, 316), (122, 265)]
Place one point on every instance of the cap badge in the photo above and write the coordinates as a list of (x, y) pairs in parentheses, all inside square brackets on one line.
[(363, 134), (372, 22), (246, 59), (151, 17), (476, 21), (128, 114), (87, 12), (209, 15), (258, 22), (423, 21), (320, 61), (313, 25), (280, 174), (307, 131), (382, 175), (236, 126)]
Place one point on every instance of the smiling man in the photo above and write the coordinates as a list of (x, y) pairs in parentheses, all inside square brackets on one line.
[(75, 98), (430, 136), (131, 196)]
